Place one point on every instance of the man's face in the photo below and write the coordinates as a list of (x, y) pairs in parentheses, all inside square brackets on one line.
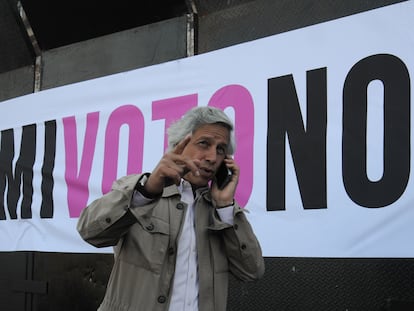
[(209, 145)]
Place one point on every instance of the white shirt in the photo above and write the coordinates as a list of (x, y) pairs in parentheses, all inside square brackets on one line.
[(185, 284)]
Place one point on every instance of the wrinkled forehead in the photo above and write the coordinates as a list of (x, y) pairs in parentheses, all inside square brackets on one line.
[(214, 131)]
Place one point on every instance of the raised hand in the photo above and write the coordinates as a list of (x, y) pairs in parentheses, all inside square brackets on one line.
[(171, 168)]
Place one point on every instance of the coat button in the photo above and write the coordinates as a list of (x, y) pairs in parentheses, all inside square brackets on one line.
[(162, 299), (236, 226), (150, 227), (243, 246), (108, 220), (171, 251), (180, 206)]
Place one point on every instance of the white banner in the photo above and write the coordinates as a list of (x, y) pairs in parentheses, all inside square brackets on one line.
[(323, 125)]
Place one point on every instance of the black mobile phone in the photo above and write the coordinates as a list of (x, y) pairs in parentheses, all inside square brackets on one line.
[(223, 176)]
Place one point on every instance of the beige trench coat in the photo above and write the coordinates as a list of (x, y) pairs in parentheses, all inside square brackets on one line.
[(145, 240)]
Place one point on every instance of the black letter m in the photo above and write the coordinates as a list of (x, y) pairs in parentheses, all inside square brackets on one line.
[(23, 172)]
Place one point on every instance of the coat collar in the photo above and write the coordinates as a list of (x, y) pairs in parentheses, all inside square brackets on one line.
[(173, 190)]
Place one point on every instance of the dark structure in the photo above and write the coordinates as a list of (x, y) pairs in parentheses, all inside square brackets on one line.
[(46, 43)]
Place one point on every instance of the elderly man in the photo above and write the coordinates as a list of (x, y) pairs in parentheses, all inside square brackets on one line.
[(176, 233)]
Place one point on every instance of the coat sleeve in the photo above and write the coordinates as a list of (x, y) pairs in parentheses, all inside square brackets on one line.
[(243, 250), (106, 220)]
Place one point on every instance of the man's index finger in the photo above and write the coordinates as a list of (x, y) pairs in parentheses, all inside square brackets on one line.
[(179, 148)]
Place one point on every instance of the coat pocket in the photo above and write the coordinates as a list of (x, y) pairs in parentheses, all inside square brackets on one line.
[(146, 244)]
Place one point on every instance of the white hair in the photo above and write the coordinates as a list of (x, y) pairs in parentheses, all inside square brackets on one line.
[(195, 118)]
